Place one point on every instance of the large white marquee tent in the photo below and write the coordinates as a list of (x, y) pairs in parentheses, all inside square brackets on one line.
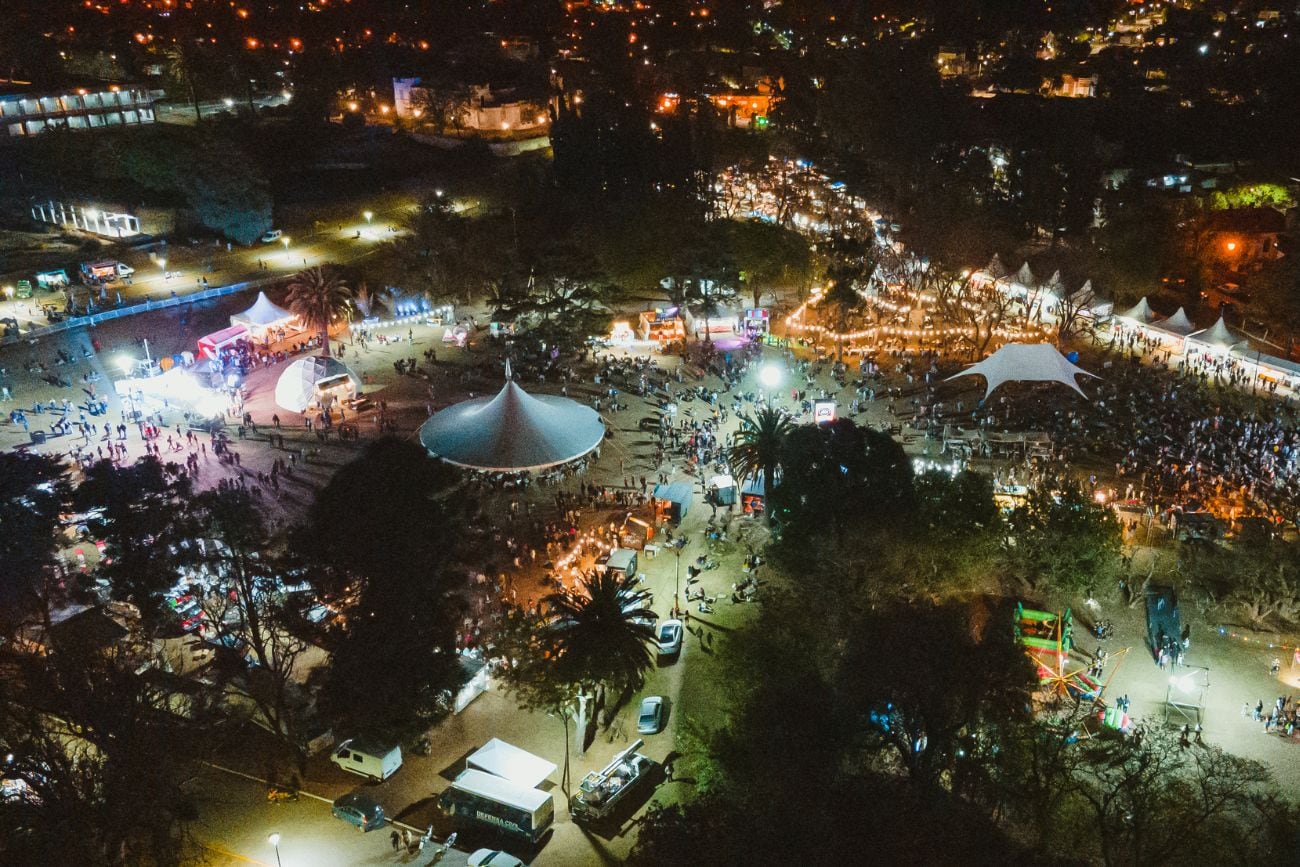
[(1026, 362)]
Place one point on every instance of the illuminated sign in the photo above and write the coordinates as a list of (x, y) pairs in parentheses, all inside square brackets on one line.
[(823, 411)]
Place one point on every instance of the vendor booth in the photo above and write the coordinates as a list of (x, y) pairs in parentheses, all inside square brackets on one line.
[(673, 501), (663, 325), (753, 496), (757, 321), (723, 321), (722, 491), (316, 381), (210, 345), (264, 319)]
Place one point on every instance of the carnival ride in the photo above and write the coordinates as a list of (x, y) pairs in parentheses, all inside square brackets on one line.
[(1048, 640)]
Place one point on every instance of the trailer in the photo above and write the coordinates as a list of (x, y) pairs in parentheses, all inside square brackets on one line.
[(601, 792)]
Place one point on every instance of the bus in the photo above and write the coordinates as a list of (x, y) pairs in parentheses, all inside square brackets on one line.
[(481, 799)]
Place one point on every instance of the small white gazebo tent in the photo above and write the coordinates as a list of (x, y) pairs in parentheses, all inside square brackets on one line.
[(1178, 324), (1026, 362), (264, 316), (315, 380), (1216, 338), (1139, 314)]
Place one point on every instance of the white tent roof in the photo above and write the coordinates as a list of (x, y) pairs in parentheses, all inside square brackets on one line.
[(513, 431), (995, 268), (1025, 277), (509, 762), (263, 312), (1217, 336), (1026, 362), (1177, 324), (1140, 313), (296, 387)]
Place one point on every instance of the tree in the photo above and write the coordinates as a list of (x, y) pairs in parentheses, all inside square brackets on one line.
[(759, 444), (839, 478), (249, 605), (600, 636), (104, 756), (136, 510), (318, 296), (1063, 540), (387, 533), (181, 63), (33, 493)]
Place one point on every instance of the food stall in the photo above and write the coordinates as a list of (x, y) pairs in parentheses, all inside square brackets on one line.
[(210, 345), (672, 501), (663, 325), (757, 321)]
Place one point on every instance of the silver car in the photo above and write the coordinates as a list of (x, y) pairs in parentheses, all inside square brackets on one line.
[(651, 719)]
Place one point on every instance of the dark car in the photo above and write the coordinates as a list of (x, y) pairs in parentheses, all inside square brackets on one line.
[(360, 810)]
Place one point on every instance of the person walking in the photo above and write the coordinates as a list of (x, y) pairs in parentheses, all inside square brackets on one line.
[(396, 839)]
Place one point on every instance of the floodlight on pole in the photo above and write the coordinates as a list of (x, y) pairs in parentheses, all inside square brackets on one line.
[(274, 839), (369, 215)]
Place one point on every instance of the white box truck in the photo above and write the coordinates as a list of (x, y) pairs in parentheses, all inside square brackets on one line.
[(373, 761)]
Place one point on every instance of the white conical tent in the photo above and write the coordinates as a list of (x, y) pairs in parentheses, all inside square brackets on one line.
[(995, 269), (304, 380), (513, 431), (1025, 277), (263, 314), (1140, 313), (1177, 324), (1217, 336), (1026, 362)]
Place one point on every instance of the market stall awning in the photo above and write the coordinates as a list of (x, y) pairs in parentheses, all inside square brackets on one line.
[(513, 431), (1141, 313), (1177, 324), (1217, 336), (1026, 362)]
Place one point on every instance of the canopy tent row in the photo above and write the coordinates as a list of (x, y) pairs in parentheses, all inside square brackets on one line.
[(1177, 324), (1026, 362), (513, 431)]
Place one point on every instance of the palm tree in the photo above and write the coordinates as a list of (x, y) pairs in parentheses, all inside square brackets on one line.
[(316, 296), (758, 446), (600, 636), (181, 62)]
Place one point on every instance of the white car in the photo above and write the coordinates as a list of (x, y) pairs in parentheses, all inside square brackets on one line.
[(669, 637), (271, 236), (651, 718), (494, 858)]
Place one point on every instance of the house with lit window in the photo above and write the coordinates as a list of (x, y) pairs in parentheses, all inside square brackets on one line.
[(26, 109)]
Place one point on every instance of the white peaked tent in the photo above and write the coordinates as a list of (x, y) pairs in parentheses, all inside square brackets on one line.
[(513, 431), (1177, 324), (1026, 362), (1025, 277), (1085, 301), (1217, 338), (309, 379), (263, 316), (995, 269), (1140, 313)]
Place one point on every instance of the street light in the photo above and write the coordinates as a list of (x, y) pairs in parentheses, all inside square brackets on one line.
[(769, 376), (274, 839), (369, 215)]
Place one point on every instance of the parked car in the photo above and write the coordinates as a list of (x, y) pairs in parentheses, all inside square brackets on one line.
[(360, 810), (271, 236), (669, 636), (651, 718), (494, 858)]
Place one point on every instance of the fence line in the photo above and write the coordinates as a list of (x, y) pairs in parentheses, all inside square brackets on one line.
[(108, 315)]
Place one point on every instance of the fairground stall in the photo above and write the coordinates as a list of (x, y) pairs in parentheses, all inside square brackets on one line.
[(266, 321), (211, 345)]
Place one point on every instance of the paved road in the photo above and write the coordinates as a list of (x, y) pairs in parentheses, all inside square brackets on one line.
[(235, 820), (308, 245)]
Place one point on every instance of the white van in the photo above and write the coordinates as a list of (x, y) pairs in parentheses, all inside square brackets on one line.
[(367, 760)]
